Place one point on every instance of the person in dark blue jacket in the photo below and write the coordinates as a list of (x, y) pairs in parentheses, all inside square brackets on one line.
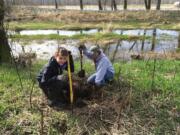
[(51, 79)]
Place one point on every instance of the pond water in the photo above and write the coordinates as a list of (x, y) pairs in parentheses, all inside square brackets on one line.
[(149, 32), (161, 41), (58, 32)]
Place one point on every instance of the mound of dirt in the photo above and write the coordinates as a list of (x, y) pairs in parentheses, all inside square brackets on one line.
[(104, 106)]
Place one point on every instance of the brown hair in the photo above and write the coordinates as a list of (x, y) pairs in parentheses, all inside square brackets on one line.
[(61, 50)]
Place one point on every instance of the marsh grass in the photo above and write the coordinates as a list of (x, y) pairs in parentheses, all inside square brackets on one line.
[(150, 112)]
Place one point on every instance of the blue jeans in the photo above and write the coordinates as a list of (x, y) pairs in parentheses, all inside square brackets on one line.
[(108, 76)]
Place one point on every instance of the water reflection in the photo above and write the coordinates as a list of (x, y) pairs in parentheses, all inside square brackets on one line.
[(161, 41), (159, 32), (59, 32)]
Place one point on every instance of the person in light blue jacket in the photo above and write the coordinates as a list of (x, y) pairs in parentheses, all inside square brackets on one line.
[(104, 69)]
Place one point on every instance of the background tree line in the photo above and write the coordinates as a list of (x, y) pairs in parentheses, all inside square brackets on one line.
[(76, 2)]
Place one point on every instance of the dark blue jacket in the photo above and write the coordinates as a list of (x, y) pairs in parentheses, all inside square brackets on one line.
[(50, 72)]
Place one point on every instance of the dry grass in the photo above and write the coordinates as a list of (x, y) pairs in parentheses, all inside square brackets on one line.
[(154, 55), (94, 16), (34, 18), (103, 113)]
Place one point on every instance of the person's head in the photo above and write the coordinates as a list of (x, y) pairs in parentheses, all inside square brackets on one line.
[(95, 50), (61, 55)]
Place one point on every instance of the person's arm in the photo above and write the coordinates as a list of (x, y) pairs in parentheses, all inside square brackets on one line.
[(46, 76), (87, 53), (101, 71)]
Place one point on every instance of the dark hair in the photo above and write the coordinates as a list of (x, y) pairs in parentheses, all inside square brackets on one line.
[(61, 50)]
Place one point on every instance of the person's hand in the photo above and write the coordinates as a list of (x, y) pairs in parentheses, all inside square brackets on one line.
[(69, 52), (82, 47), (75, 84), (81, 73), (60, 77)]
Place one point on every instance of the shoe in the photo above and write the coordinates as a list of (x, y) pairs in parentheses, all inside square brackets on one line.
[(56, 103), (60, 105)]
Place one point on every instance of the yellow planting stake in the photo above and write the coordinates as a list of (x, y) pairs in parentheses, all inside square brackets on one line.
[(70, 81)]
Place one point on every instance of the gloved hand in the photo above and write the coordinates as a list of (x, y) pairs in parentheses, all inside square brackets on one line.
[(60, 77), (81, 73), (82, 47), (69, 52)]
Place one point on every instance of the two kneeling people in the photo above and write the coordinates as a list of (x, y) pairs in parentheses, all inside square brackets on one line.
[(56, 87)]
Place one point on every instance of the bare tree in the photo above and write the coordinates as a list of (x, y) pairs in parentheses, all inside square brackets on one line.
[(100, 5), (143, 41), (147, 4), (105, 3), (5, 55), (179, 41), (81, 4), (113, 5), (13, 2), (153, 40), (42, 2), (56, 4), (125, 4), (23, 2), (158, 4)]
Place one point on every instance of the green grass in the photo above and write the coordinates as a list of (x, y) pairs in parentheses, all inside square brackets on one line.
[(149, 104), (38, 25), (178, 50), (164, 76), (129, 24), (155, 104), (82, 37), (34, 25)]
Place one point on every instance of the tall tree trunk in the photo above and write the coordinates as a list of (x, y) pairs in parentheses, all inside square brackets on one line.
[(5, 55), (179, 41), (158, 4), (56, 4), (100, 5), (153, 40), (125, 4), (113, 5), (147, 4), (112, 8), (81, 4), (42, 2), (23, 2), (143, 41), (13, 2), (105, 3)]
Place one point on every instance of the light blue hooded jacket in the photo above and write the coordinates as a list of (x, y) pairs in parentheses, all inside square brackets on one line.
[(103, 66)]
